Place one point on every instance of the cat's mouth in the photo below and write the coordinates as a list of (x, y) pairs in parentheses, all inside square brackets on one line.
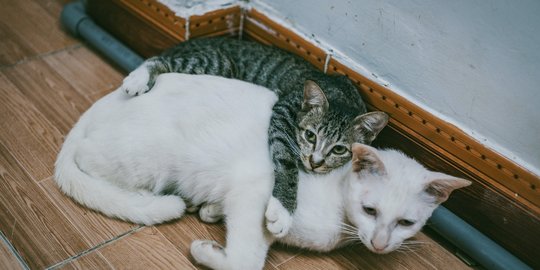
[(316, 169), (379, 250), (310, 166)]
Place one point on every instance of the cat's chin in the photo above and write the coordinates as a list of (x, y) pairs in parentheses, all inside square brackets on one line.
[(381, 252), (319, 170)]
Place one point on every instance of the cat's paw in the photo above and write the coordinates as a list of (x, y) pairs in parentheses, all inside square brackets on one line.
[(278, 219), (211, 213), (136, 83), (191, 208), (208, 253)]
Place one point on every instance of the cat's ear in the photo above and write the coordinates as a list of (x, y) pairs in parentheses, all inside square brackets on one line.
[(365, 158), (441, 185), (314, 97), (367, 126)]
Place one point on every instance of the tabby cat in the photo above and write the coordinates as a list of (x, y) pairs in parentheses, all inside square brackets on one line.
[(316, 146)]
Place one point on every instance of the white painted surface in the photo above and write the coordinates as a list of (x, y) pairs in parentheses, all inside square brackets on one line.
[(186, 8), (475, 64)]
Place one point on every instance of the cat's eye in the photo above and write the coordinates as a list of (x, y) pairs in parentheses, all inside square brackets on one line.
[(339, 149), (310, 136), (405, 222), (370, 211)]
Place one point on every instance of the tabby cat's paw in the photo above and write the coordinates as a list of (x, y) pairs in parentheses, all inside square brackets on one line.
[(211, 213), (278, 219), (208, 253), (136, 83)]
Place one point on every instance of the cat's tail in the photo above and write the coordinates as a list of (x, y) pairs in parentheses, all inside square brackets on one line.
[(101, 195)]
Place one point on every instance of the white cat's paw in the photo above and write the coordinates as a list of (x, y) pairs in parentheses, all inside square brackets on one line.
[(190, 208), (278, 219), (136, 83), (211, 213), (208, 253)]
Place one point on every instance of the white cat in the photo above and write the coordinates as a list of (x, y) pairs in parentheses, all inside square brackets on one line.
[(382, 198), (204, 139), (200, 138)]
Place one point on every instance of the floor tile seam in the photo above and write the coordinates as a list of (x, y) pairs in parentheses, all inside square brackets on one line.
[(47, 121), (50, 198), (95, 248), (42, 55), (14, 251), (19, 163), (287, 260), (175, 246)]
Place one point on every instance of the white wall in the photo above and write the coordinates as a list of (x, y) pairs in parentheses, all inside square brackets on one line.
[(475, 64)]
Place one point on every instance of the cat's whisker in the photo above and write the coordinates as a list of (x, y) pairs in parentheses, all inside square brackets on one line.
[(348, 229), (409, 248), (350, 241), (349, 232), (292, 145), (414, 244), (343, 224)]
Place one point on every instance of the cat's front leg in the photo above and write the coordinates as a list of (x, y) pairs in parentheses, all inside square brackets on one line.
[(283, 202), (278, 219), (208, 253), (247, 241), (142, 79)]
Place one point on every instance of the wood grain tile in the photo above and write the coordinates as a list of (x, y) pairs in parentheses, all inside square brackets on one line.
[(53, 7), (93, 260), (426, 256), (79, 63), (28, 29), (145, 249), (41, 104), (8, 260), (429, 255), (317, 261), (49, 92), (95, 227), (280, 254), (182, 232), (188, 228), (26, 133), (30, 221)]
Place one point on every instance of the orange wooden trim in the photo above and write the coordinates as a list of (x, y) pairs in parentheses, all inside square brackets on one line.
[(219, 21), (209, 24), (282, 37), (158, 15)]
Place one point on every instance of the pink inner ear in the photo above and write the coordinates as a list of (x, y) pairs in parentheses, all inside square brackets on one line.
[(365, 158), (441, 188)]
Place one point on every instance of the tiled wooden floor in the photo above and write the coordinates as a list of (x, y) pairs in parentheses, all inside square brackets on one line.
[(47, 79)]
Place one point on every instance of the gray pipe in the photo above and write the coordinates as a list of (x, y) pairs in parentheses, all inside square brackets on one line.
[(76, 21), (457, 231), (472, 242)]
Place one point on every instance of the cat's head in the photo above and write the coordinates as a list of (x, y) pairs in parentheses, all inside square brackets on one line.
[(390, 196), (325, 133)]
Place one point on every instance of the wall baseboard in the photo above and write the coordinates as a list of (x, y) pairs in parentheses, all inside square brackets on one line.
[(503, 202)]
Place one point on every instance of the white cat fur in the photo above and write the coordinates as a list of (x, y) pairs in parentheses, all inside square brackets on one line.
[(207, 134), (330, 207)]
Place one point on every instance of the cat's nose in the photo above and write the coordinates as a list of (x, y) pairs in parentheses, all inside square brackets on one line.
[(378, 247), (315, 163)]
